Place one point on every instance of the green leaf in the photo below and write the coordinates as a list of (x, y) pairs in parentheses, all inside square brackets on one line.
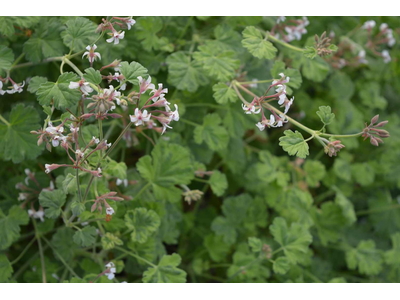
[(85, 237), (169, 165), (6, 58), (257, 45), (52, 201), (315, 172), (342, 169), (7, 23), (392, 257), (294, 144), (341, 86), (294, 239), (218, 183), (166, 271), (116, 169), (59, 92), (45, 42), (64, 244), (216, 247), (92, 76), (132, 71), (35, 83), (255, 244), (78, 33), (109, 241), (325, 114), (310, 52), (224, 93), (143, 222), (184, 73), (69, 184), (6, 269), (10, 225), (370, 94), (363, 173), (77, 207), (220, 65), (17, 143), (147, 29), (347, 208), (366, 258), (215, 136), (221, 226), (281, 265)]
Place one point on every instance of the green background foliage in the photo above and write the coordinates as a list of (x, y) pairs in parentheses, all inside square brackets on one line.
[(265, 216)]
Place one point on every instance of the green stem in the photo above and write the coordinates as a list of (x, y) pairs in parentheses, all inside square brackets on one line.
[(274, 39), (78, 185), (256, 81), (40, 252), (377, 210), (24, 251), (61, 258), (144, 188), (4, 121), (200, 180), (341, 135), (136, 256)]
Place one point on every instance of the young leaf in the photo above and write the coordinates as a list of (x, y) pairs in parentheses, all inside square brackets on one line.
[(365, 257), (310, 52), (10, 225), (78, 33), (294, 144), (17, 143), (86, 236), (132, 71), (92, 76), (6, 58), (166, 271), (326, 115), (143, 222), (294, 239), (59, 92), (224, 93), (218, 183), (215, 136), (109, 241), (52, 201), (184, 73), (220, 65), (281, 265), (257, 45)]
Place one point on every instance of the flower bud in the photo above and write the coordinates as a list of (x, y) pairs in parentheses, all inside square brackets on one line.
[(374, 119)]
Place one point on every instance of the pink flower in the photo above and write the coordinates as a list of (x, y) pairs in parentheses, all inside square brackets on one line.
[(91, 55), (139, 118), (116, 36)]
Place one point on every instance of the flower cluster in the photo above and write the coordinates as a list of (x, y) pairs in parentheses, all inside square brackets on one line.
[(116, 35), (103, 200), (372, 132), (14, 88), (384, 36), (290, 30), (256, 106)]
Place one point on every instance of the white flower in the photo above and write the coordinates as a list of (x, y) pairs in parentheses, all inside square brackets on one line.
[(120, 181), (110, 272), (145, 84), (79, 153), (175, 115), (17, 88), (139, 118), (369, 25), (361, 57), (282, 98), (250, 108), (260, 126), (116, 36), (110, 211), (55, 141), (288, 104), (383, 26), (36, 214), (47, 166), (27, 172), (165, 126), (130, 23), (85, 86), (91, 55), (22, 197), (54, 129), (73, 129), (280, 19), (96, 140), (386, 56), (1, 88), (282, 119), (159, 92)]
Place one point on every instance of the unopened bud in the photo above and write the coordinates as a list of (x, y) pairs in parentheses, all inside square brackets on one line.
[(374, 119)]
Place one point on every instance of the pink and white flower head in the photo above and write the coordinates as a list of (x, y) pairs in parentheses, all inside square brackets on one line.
[(174, 115), (116, 36), (36, 214), (281, 120), (73, 129), (287, 104), (386, 56), (140, 118), (130, 22), (91, 55), (251, 108), (84, 86), (265, 122), (111, 270), (145, 84), (369, 25), (160, 91), (283, 79), (110, 94), (383, 27), (110, 210), (54, 129), (51, 167), (17, 88)]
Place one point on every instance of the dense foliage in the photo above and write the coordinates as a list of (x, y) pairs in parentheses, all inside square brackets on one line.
[(95, 189)]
